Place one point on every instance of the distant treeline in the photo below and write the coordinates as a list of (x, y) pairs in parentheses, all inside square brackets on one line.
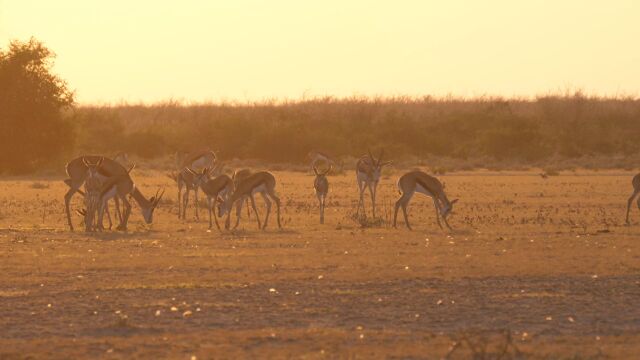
[(512, 130), (42, 126)]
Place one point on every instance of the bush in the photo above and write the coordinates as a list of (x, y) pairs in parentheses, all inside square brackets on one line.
[(32, 100)]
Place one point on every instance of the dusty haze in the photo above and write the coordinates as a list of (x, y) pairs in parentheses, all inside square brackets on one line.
[(253, 50)]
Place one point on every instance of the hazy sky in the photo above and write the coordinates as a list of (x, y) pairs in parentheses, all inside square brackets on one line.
[(250, 50)]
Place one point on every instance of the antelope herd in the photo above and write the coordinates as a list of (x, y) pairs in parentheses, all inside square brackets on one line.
[(106, 178)]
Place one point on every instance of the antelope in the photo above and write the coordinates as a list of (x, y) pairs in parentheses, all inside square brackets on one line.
[(321, 185), (261, 182), (418, 181), (238, 176), (77, 170), (190, 180), (217, 190), (636, 190), (195, 159), (120, 186), (368, 171), (92, 189), (317, 156)]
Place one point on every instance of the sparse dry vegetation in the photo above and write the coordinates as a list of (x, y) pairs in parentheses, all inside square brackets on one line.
[(558, 269)]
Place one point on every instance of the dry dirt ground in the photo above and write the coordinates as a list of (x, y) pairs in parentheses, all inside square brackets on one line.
[(534, 268)]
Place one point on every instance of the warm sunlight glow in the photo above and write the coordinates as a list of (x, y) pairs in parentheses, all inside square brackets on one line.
[(248, 50)]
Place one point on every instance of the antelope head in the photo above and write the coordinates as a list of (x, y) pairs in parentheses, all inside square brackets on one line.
[(377, 165), (199, 177), (447, 208), (92, 168), (322, 174), (147, 212)]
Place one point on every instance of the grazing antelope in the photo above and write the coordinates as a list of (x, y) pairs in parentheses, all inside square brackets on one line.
[(636, 190), (120, 186), (418, 181), (261, 182), (77, 170), (94, 186), (321, 185), (368, 171), (217, 190), (238, 176)]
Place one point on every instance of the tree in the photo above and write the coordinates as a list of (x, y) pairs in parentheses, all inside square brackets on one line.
[(33, 129)]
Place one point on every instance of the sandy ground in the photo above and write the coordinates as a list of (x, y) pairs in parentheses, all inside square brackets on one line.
[(534, 268)]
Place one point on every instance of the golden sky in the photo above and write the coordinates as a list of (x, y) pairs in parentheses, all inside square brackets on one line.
[(116, 50)]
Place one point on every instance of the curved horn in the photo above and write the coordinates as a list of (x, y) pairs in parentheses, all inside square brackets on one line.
[(85, 162), (373, 161), (328, 170), (315, 170), (100, 161), (131, 168), (160, 197)]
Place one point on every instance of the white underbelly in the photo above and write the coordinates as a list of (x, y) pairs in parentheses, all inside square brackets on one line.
[(420, 189), (259, 189)]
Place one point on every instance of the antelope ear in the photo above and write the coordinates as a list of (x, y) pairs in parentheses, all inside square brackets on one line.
[(454, 201)]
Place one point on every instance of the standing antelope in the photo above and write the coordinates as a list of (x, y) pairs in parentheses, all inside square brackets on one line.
[(187, 179), (77, 170), (316, 157), (368, 171), (418, 181), (195, 159), (321, 185), (217, 190), (190, 180), (92, 189), (636, 190), (261, 182)]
